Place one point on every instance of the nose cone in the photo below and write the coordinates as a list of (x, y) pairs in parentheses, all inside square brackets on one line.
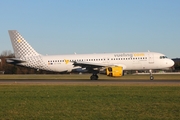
[(170, 63)]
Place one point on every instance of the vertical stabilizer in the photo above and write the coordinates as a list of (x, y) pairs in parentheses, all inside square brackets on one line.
[(20, 45)]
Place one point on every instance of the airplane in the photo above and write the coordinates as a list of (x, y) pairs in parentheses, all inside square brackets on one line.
[(114, 64)]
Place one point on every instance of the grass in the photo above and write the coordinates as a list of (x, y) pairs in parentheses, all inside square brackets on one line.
[(96, 102)]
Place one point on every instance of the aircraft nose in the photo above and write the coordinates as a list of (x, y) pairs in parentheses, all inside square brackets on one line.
[(170, 63)]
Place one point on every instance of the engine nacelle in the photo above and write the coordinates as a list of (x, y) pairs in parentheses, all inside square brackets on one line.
[(114, 71)]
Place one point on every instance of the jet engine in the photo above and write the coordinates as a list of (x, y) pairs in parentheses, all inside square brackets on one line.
[(114, 71)]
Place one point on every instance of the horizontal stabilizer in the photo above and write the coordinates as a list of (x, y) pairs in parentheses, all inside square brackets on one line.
[(14, 61)]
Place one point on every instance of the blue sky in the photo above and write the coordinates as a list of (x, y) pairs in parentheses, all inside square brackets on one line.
[(93, 26)]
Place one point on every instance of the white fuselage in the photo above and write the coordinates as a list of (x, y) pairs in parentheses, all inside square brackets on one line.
[(129, 61)]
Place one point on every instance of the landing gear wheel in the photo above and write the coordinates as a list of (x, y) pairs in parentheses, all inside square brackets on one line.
[(94, 77), (151, 78)]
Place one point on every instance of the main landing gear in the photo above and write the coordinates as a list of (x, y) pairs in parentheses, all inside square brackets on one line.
[(151, 76), (94, 77)]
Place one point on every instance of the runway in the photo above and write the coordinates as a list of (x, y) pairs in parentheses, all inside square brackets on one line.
[(91, 82)]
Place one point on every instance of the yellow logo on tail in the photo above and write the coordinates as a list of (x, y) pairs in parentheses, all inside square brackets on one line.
[(19, 40)]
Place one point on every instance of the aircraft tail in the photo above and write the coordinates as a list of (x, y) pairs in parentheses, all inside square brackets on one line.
[(20, 45)]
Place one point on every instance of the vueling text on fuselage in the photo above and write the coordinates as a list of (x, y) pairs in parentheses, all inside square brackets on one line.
[(129, 55)]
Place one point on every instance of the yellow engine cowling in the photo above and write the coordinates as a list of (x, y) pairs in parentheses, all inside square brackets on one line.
[(115, 71)]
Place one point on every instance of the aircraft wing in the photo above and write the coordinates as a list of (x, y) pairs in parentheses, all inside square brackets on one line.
[(89, 64), (14, 61), (96, 65)]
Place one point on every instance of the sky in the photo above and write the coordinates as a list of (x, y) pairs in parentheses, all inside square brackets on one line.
[(54, 27)]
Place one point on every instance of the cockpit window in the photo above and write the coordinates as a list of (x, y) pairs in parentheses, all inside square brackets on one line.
[(163, 57)]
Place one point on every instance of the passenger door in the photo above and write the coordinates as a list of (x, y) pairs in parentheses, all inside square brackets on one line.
[(151, 58)]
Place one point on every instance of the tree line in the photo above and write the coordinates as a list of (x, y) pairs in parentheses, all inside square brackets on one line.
[(177, 64), (14, 69)]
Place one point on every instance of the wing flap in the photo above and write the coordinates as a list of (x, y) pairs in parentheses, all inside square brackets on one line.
[(96, 65), (89, 64)]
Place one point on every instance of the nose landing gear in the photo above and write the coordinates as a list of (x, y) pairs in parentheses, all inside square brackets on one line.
[(151, 76)]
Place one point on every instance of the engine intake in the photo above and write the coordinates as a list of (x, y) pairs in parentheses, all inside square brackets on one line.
[(115, 71)]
